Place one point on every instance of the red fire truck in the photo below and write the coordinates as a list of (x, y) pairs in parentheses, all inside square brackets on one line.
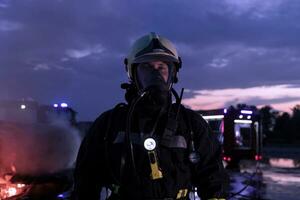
[(238, 130)]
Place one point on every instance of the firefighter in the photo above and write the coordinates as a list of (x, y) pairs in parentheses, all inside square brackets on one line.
[(150, 148)]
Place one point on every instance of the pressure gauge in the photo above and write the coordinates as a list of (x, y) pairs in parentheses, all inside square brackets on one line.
[(149, 144)]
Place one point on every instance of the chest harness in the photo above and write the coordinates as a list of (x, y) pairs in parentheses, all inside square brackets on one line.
[(150, 143)]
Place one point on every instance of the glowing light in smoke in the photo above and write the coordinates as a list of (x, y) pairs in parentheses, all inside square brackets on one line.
[(20, 185), (23, 106), (8, 189), (11, 191)]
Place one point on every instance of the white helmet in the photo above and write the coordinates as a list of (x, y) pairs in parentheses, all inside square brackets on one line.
[(149, 48)]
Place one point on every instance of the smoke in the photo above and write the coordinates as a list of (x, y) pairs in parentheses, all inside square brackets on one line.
[(35, 149)]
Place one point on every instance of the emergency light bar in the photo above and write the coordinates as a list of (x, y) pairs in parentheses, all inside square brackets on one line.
[(246, 112), (243, 121), (214, 117), (63, 105)]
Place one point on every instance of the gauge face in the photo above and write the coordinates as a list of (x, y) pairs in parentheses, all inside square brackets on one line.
[(149, 144)]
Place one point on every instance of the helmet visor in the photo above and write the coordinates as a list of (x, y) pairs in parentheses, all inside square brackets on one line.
[(162, 56)]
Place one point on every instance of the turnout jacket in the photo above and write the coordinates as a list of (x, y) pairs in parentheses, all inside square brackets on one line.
[(104, 158)]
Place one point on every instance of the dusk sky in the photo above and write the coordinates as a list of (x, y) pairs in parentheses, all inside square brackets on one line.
[(233, 51)]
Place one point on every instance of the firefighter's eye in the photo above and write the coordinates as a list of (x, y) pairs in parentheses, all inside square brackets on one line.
[(162, 67), (145, 65)]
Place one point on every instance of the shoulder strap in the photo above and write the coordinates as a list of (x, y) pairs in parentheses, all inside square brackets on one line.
[(108, 129), (194, 156), (170, 129)]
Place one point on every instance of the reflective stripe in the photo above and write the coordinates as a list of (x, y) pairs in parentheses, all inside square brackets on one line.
[(176, 141), (216, 199), (135, 138), (162, 199)]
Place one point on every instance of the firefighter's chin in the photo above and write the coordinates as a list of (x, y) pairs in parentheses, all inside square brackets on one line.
[(158, 96)]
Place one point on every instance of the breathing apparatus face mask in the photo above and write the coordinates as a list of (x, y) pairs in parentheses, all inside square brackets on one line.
[(156, 79)]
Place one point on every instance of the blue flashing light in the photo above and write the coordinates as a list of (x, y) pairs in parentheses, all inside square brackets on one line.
[(55, 105), (225, 110), (63, 105), (60, 196)]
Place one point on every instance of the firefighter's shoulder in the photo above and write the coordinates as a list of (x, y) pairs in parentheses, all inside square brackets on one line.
[(104, 116), (195, 117), (108, 117)]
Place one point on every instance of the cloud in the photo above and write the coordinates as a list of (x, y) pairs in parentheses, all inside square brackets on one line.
[(257, 8), (239, 65), (4, 3), (41, 67), (81, 53), (219, 62), (223, 44), (78, 53), (258, 50), (6, 25), (276, 95)]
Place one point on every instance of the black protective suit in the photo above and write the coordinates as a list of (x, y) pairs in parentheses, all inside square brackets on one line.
[(104, 159)]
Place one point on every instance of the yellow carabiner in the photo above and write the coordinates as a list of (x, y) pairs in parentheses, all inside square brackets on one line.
[(155, 171), (182, 193)]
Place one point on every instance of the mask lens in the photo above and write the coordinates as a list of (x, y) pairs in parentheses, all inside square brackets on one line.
[(149, 74)]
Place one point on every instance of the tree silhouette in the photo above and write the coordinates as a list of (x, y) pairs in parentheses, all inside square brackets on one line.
[(287, 127), (268, 119), (295, 123), (282, 129)]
